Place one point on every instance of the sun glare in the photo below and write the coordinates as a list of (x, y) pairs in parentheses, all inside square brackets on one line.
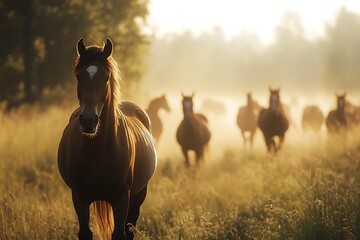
[(234, 16)]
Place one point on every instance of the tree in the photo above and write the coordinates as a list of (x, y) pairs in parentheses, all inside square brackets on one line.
[(341, 51), (38, 47)]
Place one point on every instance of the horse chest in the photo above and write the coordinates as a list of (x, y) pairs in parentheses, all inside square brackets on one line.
[(192, 134), (98, 170)]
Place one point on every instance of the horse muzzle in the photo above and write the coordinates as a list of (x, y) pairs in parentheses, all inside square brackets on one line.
[(89, 123)]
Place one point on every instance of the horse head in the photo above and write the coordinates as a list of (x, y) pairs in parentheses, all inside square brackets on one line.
[(250, 100), (187, 103), (274, 101), (164, 103), (341, 101), (93, 89)]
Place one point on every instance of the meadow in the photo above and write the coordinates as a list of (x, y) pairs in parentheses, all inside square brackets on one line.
[(310, 190)]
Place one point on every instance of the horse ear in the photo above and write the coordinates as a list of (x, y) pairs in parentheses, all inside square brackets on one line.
[(81, 49), (270, 89), (182, 94), (108, 48), (192, 95)]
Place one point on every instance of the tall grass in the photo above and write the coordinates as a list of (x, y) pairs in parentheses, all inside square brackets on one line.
[(307, 191)]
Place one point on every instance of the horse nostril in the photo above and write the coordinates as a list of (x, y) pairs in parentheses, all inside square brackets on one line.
[(81, 119), (95, 119)]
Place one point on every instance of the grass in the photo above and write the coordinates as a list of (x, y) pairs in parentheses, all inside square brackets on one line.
[(308, 191)]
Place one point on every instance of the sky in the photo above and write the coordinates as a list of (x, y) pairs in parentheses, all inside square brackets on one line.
[(235, 16)]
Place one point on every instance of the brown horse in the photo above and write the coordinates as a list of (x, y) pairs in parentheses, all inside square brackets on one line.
[(193, 132), (273, 122), (312, 118), (106, 153), (336, 120), (154, 106), (247, 119)]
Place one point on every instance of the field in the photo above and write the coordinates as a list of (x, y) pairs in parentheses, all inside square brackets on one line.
[(310, 190)]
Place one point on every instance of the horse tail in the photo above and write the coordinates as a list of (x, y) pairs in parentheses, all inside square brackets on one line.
[(104, 217)]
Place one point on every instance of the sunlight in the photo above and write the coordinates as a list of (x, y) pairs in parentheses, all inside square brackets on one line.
[(233, 16)]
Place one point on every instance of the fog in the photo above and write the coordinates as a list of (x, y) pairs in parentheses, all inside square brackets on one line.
[(308, 72)]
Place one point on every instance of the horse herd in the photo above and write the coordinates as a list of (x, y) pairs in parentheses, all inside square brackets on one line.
[(273, 121), (107, 152)]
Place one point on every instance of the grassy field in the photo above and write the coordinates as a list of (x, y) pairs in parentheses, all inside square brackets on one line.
[(307, 191)]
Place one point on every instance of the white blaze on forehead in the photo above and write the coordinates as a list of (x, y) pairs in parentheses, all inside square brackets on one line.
[(92, 70)]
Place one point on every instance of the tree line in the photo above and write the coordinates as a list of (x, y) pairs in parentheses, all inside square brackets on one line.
[(211, 61), (38, 38)]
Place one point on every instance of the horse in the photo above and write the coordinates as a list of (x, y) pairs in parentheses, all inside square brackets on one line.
[(247, 119), (273, 122), (353, 113), (193, 132), (106, 154), (152, 111), (312, 118), (336, 120)]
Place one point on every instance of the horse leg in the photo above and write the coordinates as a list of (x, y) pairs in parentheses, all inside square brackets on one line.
[(185, 152), (120, 211), (199, 155), (82, 211), (270, 143), (281, 141), (244, 137), (251, 139), (134, 210)]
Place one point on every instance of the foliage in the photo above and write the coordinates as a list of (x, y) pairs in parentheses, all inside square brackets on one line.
[(293, 60), (55, 28)]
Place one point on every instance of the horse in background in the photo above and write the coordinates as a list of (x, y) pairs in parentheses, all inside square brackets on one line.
[(312, 118), (247, 119), (273, 122), (152, 110), (336, 120), (212, 106), (343, 117), (193, 132), (353, 113), (106, 154)]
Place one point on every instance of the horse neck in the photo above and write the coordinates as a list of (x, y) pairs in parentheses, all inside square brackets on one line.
[(189, 118), (280, 108), (153, 107), (340, 112), (250, 104), (109, 118)]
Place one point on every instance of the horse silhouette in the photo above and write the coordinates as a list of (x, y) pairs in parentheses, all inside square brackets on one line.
[(273, 122), (247, 119), (193, 132), (154, 106), (312, 118), (336, 119)]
